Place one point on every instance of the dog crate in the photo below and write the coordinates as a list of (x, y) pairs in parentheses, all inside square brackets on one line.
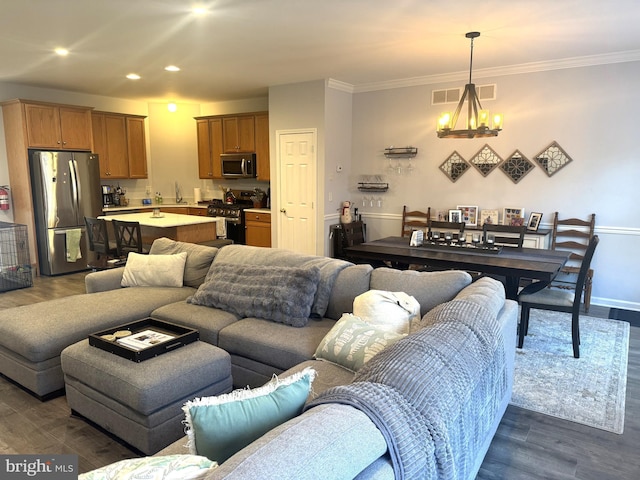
[(15, 263)]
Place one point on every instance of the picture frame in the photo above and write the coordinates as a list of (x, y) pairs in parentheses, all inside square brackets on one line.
[(469, 215), (489, 216), (513, 216), (455, 216), (534, 221)]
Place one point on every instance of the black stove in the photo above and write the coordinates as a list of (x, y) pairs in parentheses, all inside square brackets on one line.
[(233, 213)]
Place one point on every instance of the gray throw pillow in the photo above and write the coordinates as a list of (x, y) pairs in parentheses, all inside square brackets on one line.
[(280, 294), (199, 258)]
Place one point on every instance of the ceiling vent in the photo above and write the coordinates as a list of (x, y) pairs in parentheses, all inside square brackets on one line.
[(452, 95)]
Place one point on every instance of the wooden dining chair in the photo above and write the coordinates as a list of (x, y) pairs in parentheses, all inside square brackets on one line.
[(505, 235), (128, 237), (98, 237), (414, 220), (573, 235), (537, 296)]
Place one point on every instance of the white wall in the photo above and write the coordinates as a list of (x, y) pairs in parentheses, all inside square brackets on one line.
[(590, 112)]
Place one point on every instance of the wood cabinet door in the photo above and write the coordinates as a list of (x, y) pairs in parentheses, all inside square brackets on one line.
[(43, 126), (117, 153), (262, 146), (100, 142), (258, 229), (215, 143), (205, 169), (75, 128), (136, 147), (239, 134)]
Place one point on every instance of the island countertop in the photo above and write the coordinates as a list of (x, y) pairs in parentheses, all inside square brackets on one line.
[(165, 220)]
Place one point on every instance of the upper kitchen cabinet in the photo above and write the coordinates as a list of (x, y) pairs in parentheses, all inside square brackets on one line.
[(119, 141), (59, 127), (238, 134), (136, 146), (230, 134), (209, 147), (262, 146)]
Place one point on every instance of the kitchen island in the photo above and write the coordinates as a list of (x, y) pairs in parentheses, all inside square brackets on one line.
[(176, 226)]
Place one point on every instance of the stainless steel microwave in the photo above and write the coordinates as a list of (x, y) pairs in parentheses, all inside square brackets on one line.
[(239, 165)]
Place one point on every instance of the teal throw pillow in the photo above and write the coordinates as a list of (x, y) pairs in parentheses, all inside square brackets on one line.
[(220, 426), (352, 342)]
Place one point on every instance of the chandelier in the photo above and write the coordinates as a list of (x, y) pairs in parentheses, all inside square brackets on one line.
[(477, 118)]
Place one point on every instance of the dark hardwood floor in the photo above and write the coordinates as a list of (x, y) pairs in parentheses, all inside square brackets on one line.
[(527, 445)]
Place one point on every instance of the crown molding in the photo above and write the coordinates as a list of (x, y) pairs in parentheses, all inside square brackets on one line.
[(532, 67)]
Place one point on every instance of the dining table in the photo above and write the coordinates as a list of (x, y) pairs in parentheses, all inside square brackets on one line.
[(511, 263), (176, 226)]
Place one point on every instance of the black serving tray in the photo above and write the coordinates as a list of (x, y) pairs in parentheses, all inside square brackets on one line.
[(181, 336)]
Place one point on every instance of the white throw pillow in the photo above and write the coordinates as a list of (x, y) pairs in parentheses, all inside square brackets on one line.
[(154, 270), (390, 311)]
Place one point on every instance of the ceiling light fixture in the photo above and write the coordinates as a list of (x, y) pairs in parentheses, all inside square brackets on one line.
[(172, 107), (172, 68), (133, 76), (63, 52), (477, 118)]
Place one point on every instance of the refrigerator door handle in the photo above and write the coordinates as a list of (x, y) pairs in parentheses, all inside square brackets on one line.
[(74, 185)]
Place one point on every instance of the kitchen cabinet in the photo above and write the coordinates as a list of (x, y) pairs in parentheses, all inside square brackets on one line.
[(136, 147), (209, 147), (230, 134), (238, 134), (58, 127), (201, 212), (262, 146), (119, 141), (258, 228)]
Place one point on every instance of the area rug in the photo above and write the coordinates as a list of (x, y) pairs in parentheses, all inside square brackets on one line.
[(589, 390)]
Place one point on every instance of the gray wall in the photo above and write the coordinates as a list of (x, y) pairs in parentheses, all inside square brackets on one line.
[(589, 111)]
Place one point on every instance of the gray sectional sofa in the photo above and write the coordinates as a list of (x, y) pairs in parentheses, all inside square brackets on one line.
[(371, 424)]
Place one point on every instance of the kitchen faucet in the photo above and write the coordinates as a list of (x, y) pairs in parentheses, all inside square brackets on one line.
[(178, 194)]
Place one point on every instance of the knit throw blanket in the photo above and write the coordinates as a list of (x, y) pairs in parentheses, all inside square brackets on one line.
[(434, 394)]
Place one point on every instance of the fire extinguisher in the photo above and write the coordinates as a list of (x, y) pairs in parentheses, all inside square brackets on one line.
[(4, 197)]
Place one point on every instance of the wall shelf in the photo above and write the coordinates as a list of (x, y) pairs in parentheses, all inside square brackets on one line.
[(400, 152), (374, 187)]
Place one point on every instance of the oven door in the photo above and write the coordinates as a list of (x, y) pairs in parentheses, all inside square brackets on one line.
[(235, 231)]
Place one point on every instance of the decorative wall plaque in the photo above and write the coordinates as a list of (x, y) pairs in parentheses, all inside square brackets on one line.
[(516, 166), (552, 158), (485, 160), (454, 166)]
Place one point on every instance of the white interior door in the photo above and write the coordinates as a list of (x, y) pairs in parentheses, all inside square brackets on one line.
[(297, 191)]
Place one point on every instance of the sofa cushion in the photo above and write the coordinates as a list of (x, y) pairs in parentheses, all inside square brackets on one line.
[(154, 270), (169, 467), (329, 267), (352, 342), (199, 258), (429, 288), (273, 344), (281, 294), (220, 426), (350, 282)]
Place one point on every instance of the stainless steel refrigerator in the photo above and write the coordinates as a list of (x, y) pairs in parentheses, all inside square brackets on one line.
[(65, 188)]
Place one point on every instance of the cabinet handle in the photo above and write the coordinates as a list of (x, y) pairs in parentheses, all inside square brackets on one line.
[(283, 210)]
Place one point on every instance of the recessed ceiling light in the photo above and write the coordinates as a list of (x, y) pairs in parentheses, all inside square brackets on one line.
[(199, 10), (63, 52), (172, 68), (133, 76)]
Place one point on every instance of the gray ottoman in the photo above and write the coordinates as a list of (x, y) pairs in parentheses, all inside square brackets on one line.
[(142, 402)]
